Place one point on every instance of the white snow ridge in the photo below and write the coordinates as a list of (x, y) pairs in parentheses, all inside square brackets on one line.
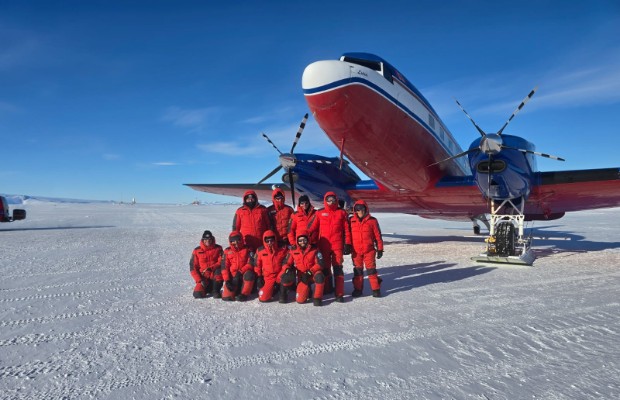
[(96, 302)]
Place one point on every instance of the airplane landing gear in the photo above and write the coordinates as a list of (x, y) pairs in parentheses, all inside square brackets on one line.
[(480, 218), (506, 242)]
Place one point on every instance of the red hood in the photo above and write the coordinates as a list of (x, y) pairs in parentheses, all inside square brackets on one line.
[(267, 234), (278, 204), (333, 206)]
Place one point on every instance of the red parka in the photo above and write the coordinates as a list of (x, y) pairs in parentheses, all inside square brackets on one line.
[(251, 222), (302, 220), (365, 232), (304, 260), (332, 225), (268, 262), (205, 261), (280, 215), (236, 260)]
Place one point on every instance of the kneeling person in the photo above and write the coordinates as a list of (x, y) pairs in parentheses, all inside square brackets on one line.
[(271, 274), (237, 269), (205, 267), (308, 262)]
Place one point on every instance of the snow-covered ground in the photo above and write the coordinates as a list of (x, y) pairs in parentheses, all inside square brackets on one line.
[(96, 303)]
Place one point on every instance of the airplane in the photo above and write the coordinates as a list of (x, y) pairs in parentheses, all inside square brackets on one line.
[(5, 213), (388, 129)]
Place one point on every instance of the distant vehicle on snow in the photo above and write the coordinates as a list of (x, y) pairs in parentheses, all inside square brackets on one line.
[(5, 213)]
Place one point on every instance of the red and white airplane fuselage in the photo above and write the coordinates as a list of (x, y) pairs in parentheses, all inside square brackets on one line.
[(382, 123)]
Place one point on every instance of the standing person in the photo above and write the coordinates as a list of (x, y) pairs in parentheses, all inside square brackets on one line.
[(237, 269), (279, 216), (302, 220), (308, 262), (367, 242), (334, 233), (205, 267), (268, 267), (252, 220)]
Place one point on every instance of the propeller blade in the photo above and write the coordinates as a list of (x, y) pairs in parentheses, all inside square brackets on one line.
[(525, 100), (471, 119), (301, 129), (454, 156), (274, 146), (292, 183), (535, 152), (489, 178), (269, 175)]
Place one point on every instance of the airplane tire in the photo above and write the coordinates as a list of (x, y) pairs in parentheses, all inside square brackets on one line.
[(505, 236)]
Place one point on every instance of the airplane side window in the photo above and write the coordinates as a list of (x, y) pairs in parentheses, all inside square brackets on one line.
[(431, 121)]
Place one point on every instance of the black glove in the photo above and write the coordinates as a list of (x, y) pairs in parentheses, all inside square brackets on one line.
[(260, 282), (379, 254), (236, 280), (292, 247), (305, 277), (347, 249), (230, 286)]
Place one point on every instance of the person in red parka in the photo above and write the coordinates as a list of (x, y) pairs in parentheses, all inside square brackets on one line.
[(205, 267), (252, 220), (237, 269), (332, 225), (302, 220), (279, 216), (268, 268), (367, 243), (308, 262)]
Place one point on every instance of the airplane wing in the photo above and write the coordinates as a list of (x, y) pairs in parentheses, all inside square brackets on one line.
[(564, 191), (263, 190), (458, 198)]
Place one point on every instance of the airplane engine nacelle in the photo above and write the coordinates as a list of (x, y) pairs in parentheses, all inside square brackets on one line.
[(504, 175)]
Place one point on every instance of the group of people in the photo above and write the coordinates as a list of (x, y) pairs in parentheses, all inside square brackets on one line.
[(277, 250)]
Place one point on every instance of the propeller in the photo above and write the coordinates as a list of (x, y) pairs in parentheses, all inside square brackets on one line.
[(287, 160), (492, 143)]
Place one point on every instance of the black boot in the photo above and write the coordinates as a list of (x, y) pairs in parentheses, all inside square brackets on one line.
[(356, 293), (376, 293), (317, 302), (283, 295), (217, 287)]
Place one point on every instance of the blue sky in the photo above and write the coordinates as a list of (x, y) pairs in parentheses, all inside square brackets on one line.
[(113, 100)]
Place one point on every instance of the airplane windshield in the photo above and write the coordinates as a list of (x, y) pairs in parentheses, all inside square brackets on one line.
[(374, 65)]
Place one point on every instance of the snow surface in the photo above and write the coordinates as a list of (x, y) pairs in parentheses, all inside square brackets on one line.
[(96, 303)]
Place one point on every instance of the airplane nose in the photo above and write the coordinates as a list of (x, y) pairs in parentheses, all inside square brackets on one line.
[(320, 74)]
